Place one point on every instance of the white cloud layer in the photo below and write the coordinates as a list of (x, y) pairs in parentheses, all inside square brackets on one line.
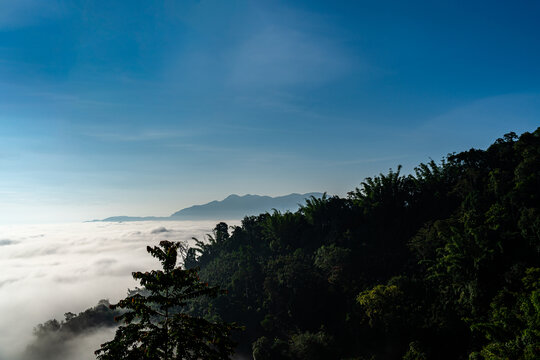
[(47, 270)]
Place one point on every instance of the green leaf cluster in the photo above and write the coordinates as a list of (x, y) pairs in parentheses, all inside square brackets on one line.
[(154, 325)]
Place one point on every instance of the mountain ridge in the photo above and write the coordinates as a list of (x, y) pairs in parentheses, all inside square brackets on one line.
[(232, 207)]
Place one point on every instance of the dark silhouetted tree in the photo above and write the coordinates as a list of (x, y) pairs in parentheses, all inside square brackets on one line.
[(154, 324)]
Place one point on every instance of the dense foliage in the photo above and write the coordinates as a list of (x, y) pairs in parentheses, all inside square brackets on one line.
[(442, 264), (153, 323)]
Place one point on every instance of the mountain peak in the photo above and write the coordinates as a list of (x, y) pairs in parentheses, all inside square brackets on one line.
[(238, 206), (232, 207)]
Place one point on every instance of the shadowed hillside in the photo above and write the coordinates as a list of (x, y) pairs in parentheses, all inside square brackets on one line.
[(440, 264)]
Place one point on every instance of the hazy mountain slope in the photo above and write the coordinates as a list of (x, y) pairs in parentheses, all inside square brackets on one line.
[(232, 207), (235, 206)]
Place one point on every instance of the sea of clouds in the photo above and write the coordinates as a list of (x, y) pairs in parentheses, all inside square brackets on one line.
[(48, 270)]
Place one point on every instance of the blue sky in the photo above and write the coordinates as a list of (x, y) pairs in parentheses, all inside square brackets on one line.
[(145, 107)]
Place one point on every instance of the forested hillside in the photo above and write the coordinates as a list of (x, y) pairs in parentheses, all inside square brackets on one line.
[(442, 264)]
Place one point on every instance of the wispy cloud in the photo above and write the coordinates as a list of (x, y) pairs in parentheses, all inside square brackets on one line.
[(4, 242), (278, 55), (26, 12), (69, 98), (147, 135), (284, 103)]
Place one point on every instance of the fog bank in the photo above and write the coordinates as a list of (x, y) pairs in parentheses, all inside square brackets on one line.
[(48, 270)]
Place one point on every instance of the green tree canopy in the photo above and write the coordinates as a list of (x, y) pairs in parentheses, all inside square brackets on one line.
[(154, 323)]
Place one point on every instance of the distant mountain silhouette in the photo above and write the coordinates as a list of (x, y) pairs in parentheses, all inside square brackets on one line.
[(133, 218), (232, 207)]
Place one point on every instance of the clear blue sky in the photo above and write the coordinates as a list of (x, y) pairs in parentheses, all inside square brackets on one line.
[(145, 107)]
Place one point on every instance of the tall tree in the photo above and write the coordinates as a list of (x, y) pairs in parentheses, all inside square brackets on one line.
[(155, 326)]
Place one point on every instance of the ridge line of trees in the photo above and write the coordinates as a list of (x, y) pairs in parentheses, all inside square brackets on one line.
[(440, 264)]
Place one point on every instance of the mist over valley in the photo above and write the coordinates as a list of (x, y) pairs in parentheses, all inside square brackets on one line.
[(48, 270)]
